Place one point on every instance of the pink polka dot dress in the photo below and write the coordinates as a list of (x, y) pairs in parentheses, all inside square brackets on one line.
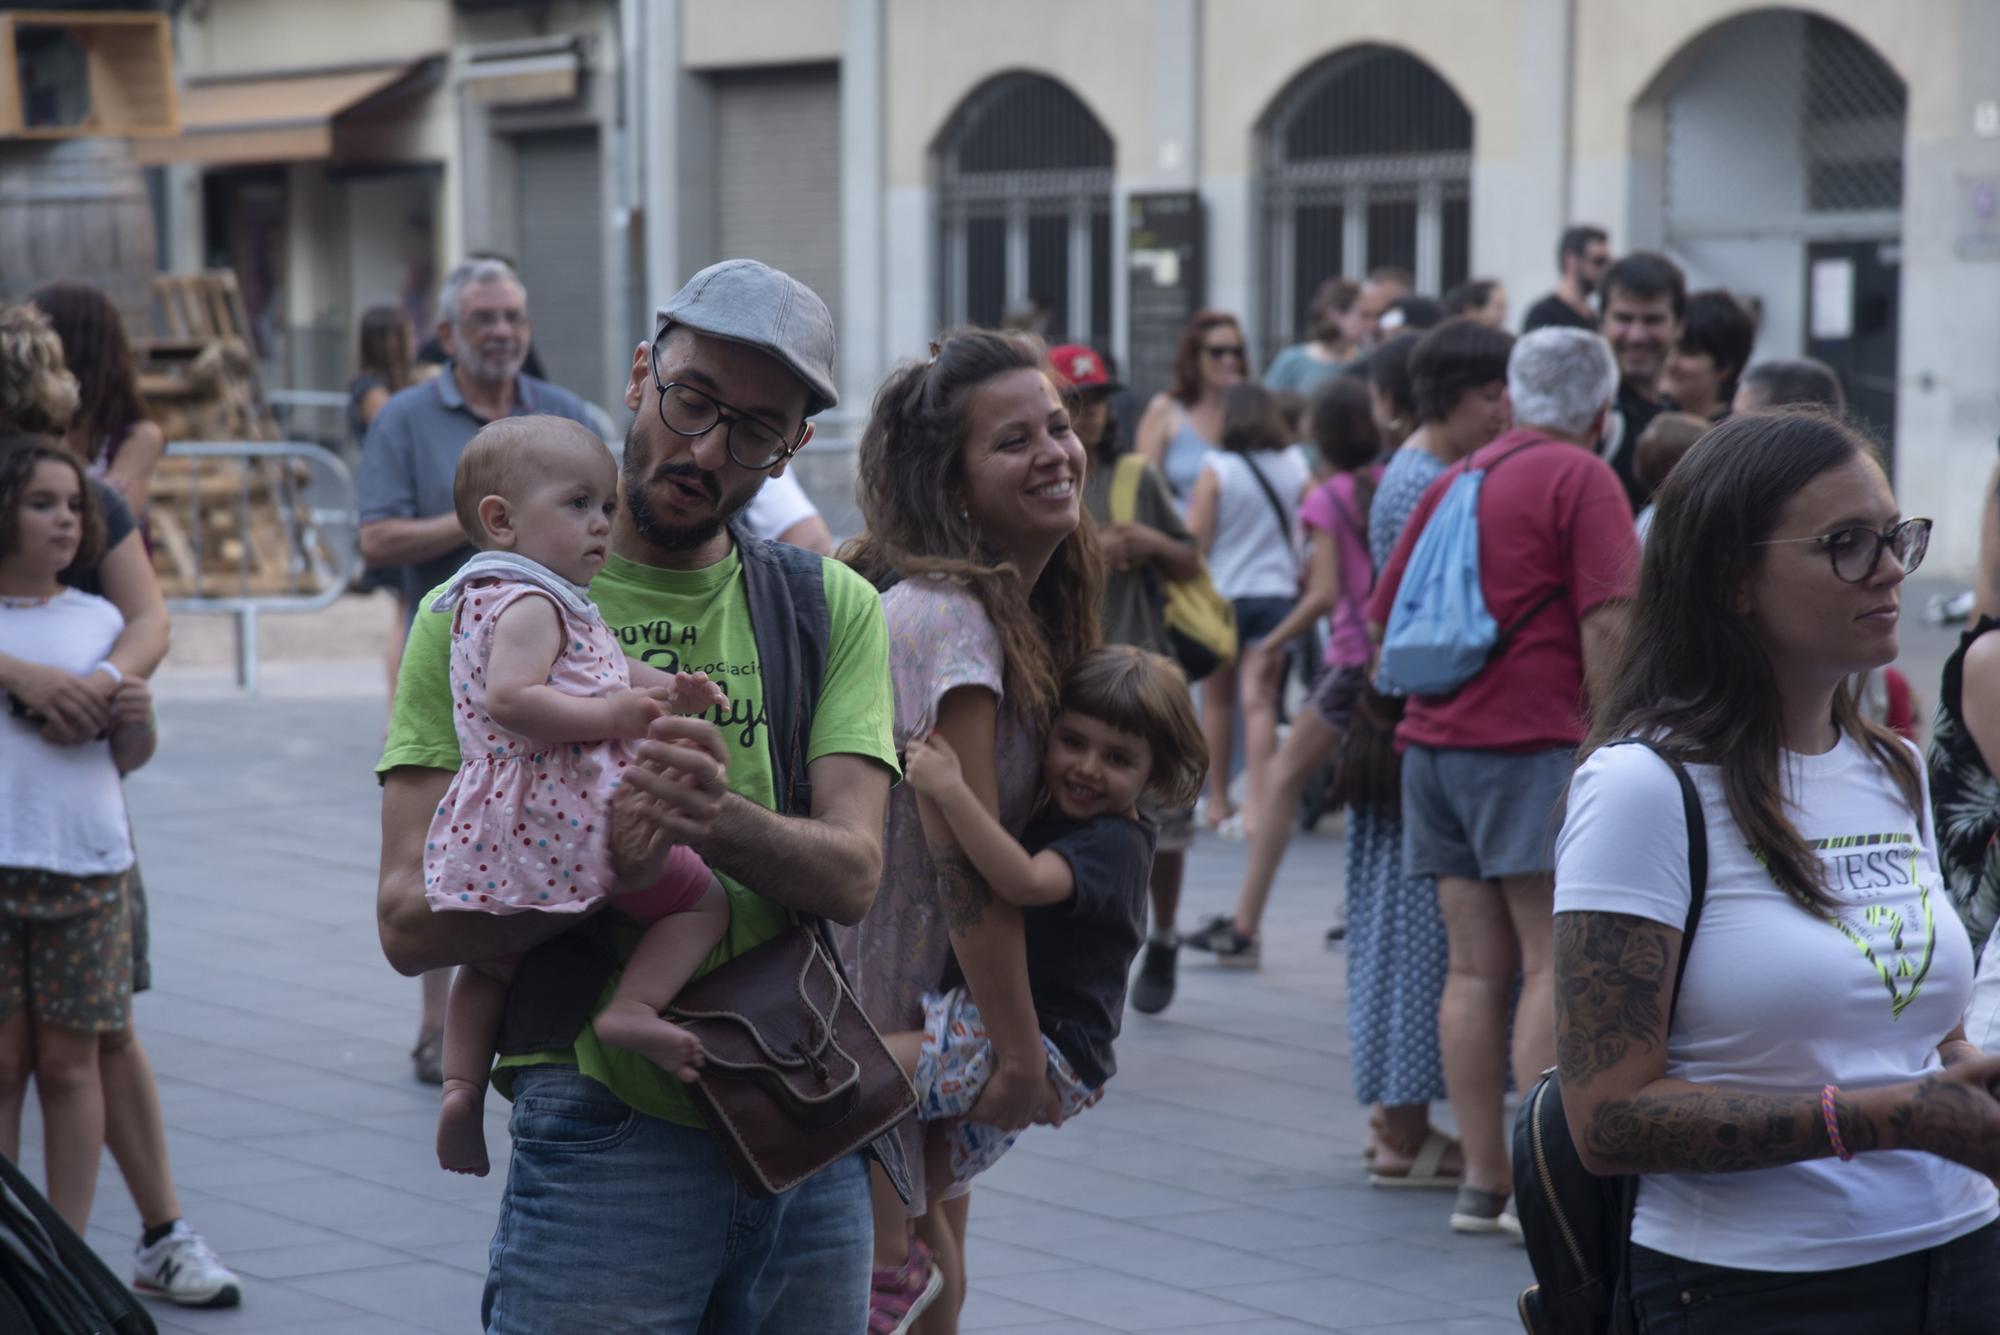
[(523, 825)]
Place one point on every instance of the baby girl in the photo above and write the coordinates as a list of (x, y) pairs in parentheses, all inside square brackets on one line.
[(545, 704)]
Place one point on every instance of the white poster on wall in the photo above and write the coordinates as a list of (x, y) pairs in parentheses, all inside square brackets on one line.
[(1832, 299)]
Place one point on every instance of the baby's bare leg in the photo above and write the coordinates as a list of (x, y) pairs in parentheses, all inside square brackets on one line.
[(905, 1048), (666, 957), (471, 1032)]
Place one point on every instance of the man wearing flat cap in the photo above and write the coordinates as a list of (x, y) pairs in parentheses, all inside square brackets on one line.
[(619, 1213)]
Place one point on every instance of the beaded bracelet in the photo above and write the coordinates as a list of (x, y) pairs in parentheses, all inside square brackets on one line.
[(1826, 1096)]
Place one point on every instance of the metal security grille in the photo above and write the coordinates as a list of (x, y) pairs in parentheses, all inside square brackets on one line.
[(1852, 123), (1024, 207), (559, 217), (1788, 118), (777, 172), (1367, 161)]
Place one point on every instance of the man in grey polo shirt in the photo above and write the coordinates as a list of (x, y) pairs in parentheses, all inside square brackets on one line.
[(407, 464), (412, 449)]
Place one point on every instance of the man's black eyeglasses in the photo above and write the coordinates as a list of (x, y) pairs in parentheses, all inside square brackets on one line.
[(687, 411), (1855, 552)]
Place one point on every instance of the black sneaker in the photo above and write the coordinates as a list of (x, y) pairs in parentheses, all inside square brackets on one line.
[(1219, 937), (1154, 987)]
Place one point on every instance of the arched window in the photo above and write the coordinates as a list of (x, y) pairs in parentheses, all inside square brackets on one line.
[(1780, 174), (1366, 161), (1024, 206)]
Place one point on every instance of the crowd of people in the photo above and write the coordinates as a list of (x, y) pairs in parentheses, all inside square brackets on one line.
[(677, 789)]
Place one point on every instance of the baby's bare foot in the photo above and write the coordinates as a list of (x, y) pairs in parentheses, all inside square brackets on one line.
[(462, 1130), (631, 1025)]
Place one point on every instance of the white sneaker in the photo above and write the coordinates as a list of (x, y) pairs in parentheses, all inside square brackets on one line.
[(181, 1268)]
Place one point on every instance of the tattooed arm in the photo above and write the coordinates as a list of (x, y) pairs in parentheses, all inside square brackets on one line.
[(1614, 988), (986, 933)]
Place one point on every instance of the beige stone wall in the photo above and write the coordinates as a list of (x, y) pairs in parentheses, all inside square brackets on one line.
[(940, 53), (240, 35), (724, 34), (1246, 64)]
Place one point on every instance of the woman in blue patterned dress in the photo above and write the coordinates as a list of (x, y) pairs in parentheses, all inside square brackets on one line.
[(1396, 953)]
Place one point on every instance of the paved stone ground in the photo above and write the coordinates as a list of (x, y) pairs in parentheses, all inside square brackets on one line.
[(1217, 1188)]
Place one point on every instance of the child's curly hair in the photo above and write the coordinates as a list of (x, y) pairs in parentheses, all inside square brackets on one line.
[(1146, 695), (38, 395)]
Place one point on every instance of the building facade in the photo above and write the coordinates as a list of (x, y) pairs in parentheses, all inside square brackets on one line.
[(1095, 169)]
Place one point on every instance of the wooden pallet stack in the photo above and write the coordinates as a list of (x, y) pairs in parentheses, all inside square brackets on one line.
[(221, 527)]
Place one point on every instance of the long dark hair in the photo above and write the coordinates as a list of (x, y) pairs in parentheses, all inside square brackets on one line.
[(1343, 426), (1188, 353), (97, 354), (912, 495), (385, 349), (1693, 669)]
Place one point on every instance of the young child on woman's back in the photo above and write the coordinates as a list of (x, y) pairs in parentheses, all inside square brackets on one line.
[(1126, 727), (545, 702)]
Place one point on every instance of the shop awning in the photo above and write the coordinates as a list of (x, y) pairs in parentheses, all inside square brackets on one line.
[(275, 118), (521, 73)]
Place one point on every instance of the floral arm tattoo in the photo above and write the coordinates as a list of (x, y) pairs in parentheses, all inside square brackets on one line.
[(1613, 975), (961, 890)]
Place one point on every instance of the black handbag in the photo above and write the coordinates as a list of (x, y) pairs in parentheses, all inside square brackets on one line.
[(1578, 1226)]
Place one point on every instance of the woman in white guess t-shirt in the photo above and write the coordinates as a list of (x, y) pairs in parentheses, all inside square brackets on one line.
[(1813, 1132)]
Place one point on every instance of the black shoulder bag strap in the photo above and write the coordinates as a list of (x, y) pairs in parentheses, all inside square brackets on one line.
[(789, 619), (786, 589), (1278, 509), (1697, 837)]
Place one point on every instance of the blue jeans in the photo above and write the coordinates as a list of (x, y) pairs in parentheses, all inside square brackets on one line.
[(615, 1221)]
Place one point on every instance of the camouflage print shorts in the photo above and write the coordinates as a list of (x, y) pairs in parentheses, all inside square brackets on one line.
[(66, 949)]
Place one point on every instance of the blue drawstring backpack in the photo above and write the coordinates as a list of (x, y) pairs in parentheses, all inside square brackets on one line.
[(1440, 633)]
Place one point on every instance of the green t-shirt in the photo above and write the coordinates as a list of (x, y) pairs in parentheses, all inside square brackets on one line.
[(679, 621)]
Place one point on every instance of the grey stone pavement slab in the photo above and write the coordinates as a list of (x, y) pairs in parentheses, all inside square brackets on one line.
[(1217, 1188)]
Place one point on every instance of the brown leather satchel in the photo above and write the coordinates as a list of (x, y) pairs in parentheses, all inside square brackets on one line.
[(794, 1077)]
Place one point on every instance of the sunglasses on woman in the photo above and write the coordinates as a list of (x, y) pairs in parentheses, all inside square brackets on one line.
[(1855, 552), (1220, 351)]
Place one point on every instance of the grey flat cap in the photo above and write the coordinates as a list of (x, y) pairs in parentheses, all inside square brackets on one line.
[(749, 302)]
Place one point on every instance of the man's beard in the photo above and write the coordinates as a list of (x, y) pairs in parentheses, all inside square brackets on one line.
[(497, 367), (657, 532)]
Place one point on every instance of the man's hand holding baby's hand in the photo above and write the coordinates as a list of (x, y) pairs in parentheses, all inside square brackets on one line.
[(932, 767)]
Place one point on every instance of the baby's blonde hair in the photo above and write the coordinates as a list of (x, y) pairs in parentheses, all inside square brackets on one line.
[(500, 461)]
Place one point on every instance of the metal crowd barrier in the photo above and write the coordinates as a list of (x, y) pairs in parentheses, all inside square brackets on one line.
[(294, 533)]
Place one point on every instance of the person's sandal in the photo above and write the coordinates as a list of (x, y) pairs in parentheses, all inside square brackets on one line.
[(1426, 1170), (428, 1057), (897, 1296)]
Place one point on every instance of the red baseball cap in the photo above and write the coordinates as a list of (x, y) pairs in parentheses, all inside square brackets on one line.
[(1081, 367)]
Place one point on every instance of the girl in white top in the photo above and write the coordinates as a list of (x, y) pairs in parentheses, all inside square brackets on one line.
[(1813, 1133), (1241, 515), (65, 935)]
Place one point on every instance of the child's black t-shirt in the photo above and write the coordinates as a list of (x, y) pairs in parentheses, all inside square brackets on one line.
[(1080, 951)]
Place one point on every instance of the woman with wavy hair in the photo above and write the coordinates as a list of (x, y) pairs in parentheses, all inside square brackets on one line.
[(1184, 422), (111, 431), (1813, 1134), (971, 489)]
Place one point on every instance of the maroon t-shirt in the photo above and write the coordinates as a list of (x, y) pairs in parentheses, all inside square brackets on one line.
[(1553, 516)]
